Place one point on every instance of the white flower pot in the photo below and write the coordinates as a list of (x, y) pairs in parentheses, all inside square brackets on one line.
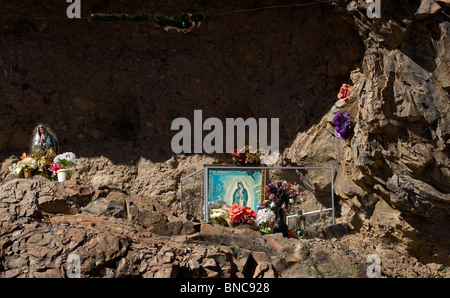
[(64, 175)]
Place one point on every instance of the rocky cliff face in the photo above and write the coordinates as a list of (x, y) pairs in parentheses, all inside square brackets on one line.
[(110, 90), (48, 228)]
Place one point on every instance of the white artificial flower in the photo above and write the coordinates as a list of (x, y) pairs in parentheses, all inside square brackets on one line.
[(16, 168), (67, 156)]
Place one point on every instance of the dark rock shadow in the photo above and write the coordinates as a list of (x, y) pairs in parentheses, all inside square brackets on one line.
[(117, 97)]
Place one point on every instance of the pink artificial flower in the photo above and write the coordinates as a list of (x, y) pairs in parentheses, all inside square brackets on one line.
[(55, 167)]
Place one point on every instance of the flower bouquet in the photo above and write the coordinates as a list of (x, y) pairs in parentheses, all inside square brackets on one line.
[(29, 163), (43, 160), (25, 166), (279, 195), (67, 159), (343, 125), (17, 169), (55, 167), (265, 220), (43, 163), (60, 163), (35, 163), (243, 156), (43, 166), (221, 216)]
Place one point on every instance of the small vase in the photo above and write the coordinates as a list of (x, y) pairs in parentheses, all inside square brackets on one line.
[(280, 225), (27, 173), (63, 175)]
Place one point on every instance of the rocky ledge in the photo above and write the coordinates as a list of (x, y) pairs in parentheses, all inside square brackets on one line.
[(43, 224)]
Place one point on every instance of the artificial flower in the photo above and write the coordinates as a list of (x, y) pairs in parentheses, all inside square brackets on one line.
[(265, 216), (343, 125), (67, 159), (29, 163), (279, 194), (221, 216), (239, 214), (244, 156), (238, 156), (17, 167), (54, 167), (260, 207), (291, 234)]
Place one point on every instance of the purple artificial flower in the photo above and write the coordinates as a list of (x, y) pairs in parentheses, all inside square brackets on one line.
[(272, 187), (260, 207)]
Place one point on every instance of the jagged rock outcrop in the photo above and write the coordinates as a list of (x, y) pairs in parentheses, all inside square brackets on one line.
[(393, 174)]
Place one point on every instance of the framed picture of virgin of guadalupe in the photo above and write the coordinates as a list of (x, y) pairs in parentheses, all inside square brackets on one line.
[(233, 184)]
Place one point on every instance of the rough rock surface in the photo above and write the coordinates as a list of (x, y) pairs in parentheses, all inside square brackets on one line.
[(44, 223)]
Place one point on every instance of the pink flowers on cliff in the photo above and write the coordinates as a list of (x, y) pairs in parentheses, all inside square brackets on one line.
[(343, 123)]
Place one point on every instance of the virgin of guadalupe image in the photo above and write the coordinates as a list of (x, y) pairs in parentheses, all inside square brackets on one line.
[(44, 140), (240, 195)]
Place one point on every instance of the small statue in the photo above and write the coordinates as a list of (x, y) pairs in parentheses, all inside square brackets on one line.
[(44, 140)]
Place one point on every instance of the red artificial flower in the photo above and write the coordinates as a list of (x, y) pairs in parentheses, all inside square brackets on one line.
[(344, 92), (235, 212), (238, 155), (55, 167)]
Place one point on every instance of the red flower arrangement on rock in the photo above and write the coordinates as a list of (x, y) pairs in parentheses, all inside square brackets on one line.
[(241, 215)]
